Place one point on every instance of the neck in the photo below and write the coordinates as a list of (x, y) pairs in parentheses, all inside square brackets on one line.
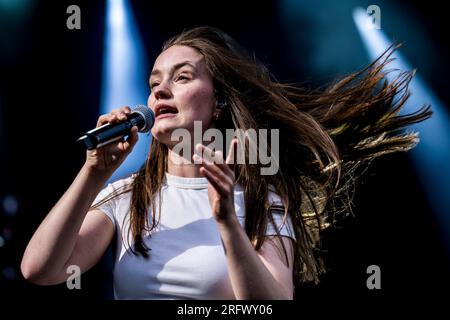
[(179, 166)]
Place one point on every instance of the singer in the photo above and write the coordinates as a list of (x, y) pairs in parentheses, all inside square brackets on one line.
[(207, 229)]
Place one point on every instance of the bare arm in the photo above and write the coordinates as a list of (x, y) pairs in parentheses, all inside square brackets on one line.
[(261, 274), (53, 242), (70, 234)]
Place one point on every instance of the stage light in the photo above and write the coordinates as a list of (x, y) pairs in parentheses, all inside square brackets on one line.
[(432, 156), (15, 7), (125, 73)]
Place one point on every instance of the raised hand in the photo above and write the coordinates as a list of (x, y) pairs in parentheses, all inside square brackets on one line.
[(108, 158), (221, 180)]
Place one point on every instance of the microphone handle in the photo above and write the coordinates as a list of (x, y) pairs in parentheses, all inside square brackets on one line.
[(112, 133), (108, 133)]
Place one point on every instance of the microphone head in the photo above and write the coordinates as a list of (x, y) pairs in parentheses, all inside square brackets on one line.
[(147, 114)]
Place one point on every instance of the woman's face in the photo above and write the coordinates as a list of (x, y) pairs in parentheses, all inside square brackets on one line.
[(181, 92)]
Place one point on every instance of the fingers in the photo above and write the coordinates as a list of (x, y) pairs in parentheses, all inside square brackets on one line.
[(219, 180), (220, 187), (218, 173), (133, 137), (115, 116), (215, 170), (231, 153), (215, 157)]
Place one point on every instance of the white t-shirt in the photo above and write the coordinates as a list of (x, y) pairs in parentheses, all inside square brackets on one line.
[(187, 259)]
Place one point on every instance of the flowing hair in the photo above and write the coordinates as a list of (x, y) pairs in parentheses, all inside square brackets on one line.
[(327, 137)]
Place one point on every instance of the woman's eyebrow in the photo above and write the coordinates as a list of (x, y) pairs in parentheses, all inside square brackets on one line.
[(174, 68)]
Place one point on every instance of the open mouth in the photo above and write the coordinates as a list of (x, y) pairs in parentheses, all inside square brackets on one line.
[(165, 110)]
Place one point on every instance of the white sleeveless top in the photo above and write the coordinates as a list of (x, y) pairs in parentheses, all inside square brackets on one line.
[(187, 259)]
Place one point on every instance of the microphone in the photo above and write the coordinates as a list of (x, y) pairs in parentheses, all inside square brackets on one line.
[(140, 116)]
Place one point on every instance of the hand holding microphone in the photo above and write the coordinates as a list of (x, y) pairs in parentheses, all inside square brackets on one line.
[(119, 124), (106, 148)]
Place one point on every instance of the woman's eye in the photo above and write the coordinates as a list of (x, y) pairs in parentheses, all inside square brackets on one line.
[(154, 84), (182, 77)]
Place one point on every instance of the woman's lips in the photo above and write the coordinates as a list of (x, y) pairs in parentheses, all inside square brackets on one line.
[(165, 115)]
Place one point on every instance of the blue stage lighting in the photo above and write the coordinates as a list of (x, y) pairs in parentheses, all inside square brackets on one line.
[(432, 156), (124, 79)]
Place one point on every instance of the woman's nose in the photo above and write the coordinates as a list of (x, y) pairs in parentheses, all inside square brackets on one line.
[(162, 92)]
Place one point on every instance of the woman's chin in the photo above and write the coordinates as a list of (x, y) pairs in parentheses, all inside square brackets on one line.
[(164, 135), (163, 129)]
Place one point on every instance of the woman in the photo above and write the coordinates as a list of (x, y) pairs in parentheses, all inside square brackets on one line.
[(205, 229)]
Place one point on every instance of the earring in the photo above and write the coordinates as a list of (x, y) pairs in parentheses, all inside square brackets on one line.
[(216, 116)]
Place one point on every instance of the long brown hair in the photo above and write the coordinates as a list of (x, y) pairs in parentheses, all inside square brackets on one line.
[(325, 135)]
